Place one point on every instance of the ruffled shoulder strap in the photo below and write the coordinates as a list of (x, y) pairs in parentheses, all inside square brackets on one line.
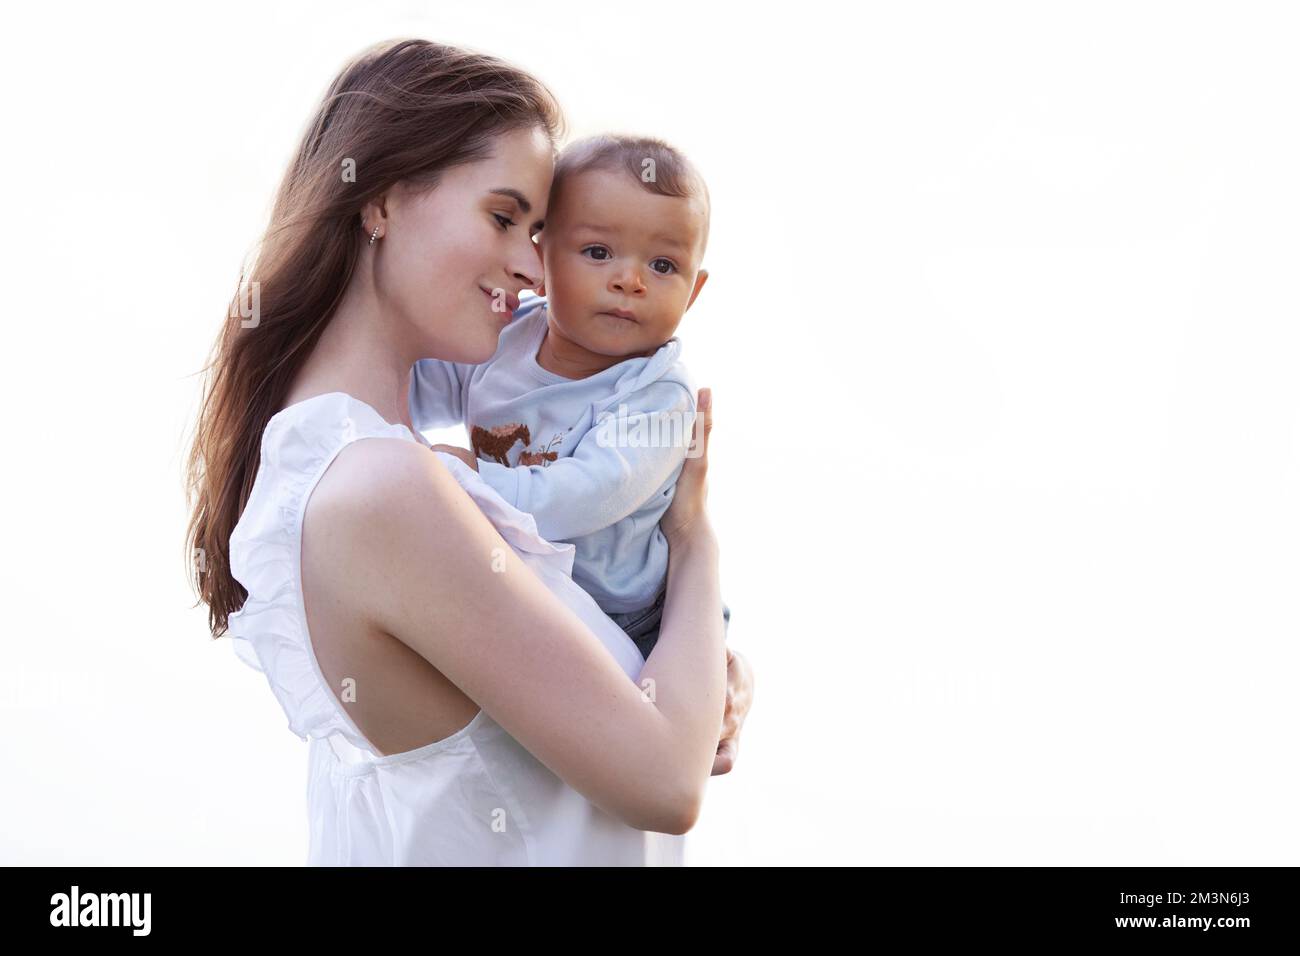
[(269, 632)]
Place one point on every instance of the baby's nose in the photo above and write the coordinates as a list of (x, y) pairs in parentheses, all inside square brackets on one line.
[(629, 284)]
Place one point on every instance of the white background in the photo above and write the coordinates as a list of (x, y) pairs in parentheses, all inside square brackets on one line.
[(1002, 328)]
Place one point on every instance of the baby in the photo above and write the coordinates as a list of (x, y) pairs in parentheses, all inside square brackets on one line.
[(583, 416)]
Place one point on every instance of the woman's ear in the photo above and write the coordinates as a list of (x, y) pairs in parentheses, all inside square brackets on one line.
[(700, 278), (375, 213)]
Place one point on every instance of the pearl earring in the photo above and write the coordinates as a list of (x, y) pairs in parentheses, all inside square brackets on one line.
[(374, 235)]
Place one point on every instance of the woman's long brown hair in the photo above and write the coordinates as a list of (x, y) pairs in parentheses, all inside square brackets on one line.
[(403, 110)]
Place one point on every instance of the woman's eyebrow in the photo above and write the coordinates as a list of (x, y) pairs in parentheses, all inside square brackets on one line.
[(520, 199), (516, 195)]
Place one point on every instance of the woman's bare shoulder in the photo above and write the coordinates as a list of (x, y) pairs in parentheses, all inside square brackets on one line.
[(383, 504), (383, 477), (380, 500)]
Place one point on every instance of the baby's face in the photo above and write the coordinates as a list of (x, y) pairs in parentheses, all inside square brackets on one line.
[(610, 245)]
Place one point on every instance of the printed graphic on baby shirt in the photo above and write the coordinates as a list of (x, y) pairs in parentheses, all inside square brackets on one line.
[(495, 443), (542, 458)]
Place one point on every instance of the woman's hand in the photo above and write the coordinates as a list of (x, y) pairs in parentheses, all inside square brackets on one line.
[(740, 695), (686, 516), (464, 454)]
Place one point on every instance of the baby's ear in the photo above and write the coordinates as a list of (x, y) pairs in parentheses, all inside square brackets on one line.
[(541, 288), (700, 278)]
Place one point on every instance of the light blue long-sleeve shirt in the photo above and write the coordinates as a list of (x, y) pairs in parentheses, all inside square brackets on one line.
[(594, 460)]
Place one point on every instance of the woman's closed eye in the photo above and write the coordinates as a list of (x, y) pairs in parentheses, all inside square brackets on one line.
[(505, 222)]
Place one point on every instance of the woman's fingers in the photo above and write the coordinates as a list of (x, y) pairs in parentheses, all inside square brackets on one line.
[(740, 695), (701, 428), (687, 509), (733, 717), (704, 406), (740, 681), (725, 758)]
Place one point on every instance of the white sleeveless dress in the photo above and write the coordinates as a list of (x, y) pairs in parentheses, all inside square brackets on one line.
[(475, 798)]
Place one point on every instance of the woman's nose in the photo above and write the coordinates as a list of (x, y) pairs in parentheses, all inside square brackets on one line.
[(528, 268)]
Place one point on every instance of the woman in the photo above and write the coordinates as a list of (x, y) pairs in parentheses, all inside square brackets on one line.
[(465, 701)]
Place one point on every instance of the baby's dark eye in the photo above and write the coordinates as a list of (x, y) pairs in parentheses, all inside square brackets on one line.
[(505, 222), (664, 272), (601, 249)]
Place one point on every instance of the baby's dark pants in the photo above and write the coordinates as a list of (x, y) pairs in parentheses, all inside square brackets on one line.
[(643, 625)]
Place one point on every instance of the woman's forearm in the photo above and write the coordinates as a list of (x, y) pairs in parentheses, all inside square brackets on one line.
[(686, 673)]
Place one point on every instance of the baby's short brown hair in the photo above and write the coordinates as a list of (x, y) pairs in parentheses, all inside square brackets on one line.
[(658, 167)]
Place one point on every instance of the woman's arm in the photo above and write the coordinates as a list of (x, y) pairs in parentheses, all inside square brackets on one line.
[(412, 553)]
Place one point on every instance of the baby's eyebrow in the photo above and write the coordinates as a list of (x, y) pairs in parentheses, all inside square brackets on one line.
[(661, 237), (670, 241)]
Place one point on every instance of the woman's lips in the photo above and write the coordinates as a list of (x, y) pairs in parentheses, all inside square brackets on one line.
[(511, 303)]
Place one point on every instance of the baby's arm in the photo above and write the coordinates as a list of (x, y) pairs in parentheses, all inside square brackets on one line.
[(437, 395), (464, 454), (601, 482)]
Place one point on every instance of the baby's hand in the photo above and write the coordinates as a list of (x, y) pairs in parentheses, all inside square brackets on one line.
[(464, 454)]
